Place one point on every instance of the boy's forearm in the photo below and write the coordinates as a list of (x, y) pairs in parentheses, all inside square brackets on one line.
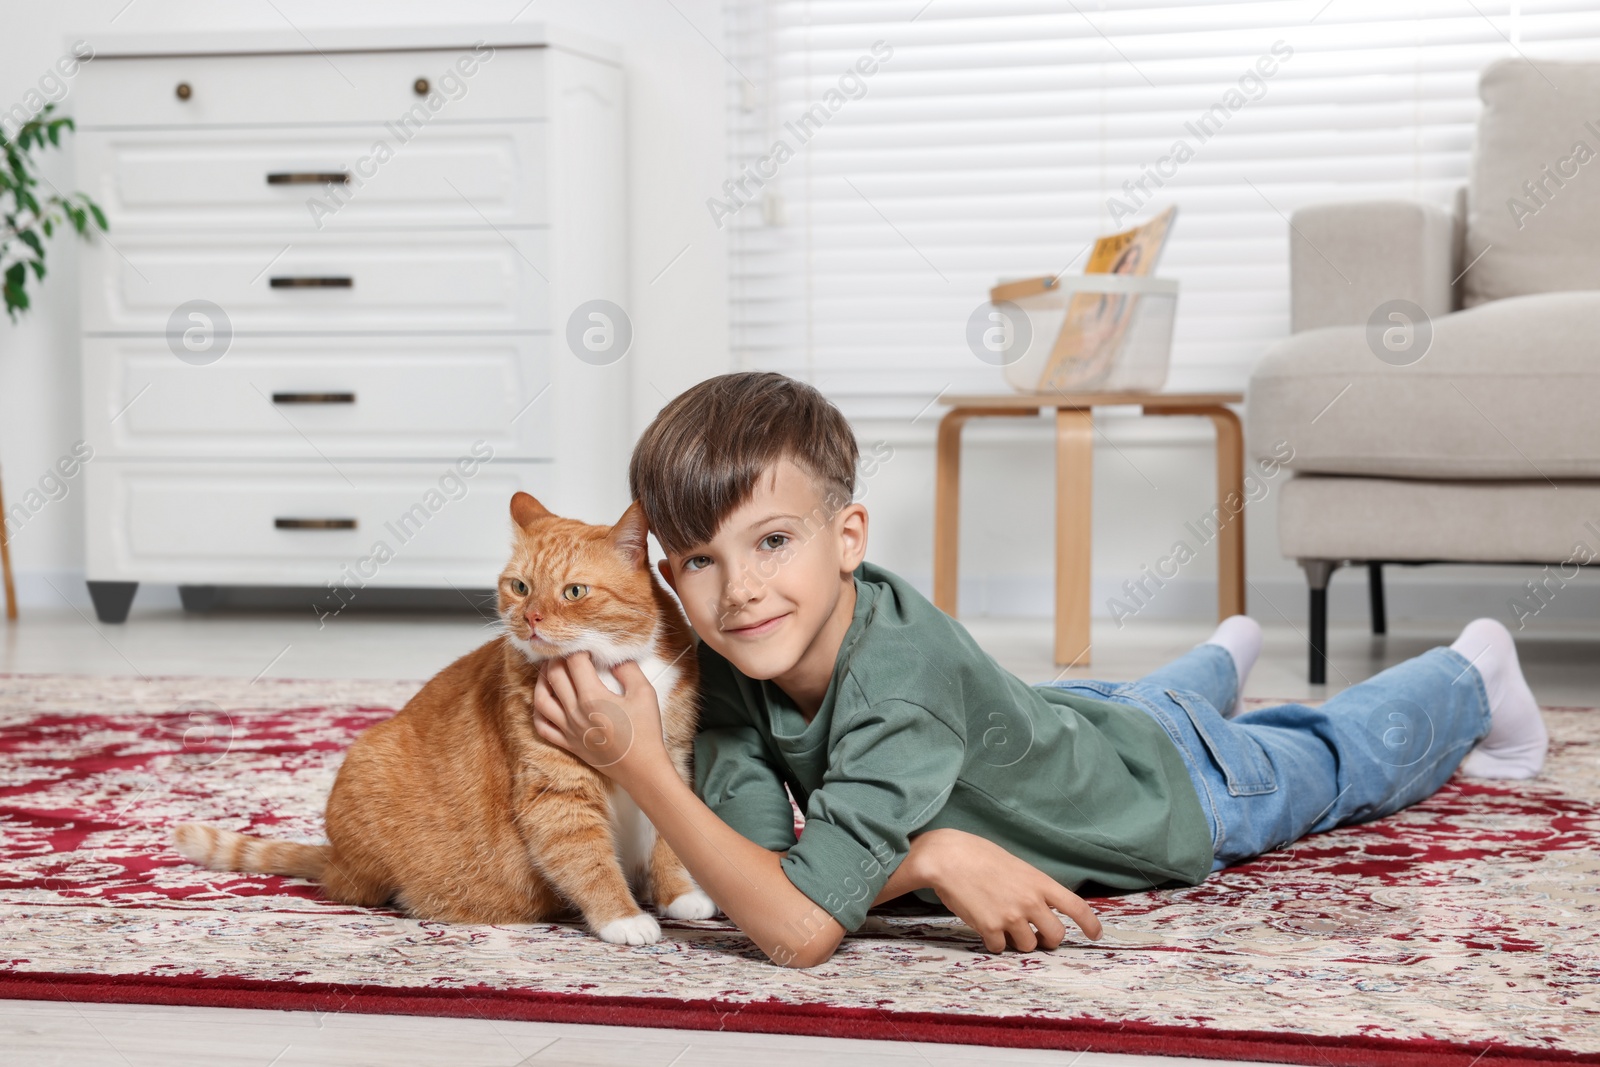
[(746, 880), (911, 874)]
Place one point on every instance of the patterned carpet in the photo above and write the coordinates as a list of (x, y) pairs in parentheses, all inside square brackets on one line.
[(1462, 930)]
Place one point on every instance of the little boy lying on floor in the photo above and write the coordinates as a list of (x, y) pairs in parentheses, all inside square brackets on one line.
[(924, 766)]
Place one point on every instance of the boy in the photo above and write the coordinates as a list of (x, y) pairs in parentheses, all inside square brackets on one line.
[(921, 764)]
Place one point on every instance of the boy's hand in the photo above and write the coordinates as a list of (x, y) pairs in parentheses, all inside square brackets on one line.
[(617, 734), (1001, 897)]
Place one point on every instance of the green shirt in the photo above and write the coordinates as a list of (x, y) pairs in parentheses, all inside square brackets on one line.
[(921, 729)]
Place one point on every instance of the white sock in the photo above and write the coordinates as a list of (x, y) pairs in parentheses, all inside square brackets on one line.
[(1516, 743), (1241, 636)]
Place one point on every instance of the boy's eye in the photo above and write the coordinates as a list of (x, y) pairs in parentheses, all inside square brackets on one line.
[(783, 539), (688, 564), (574, 591), (519, 587)]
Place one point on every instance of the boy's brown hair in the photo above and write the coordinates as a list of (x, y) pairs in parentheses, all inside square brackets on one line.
[(699, 460)]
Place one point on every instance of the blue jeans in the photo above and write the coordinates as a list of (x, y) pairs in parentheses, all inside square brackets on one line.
[(1269, 777)]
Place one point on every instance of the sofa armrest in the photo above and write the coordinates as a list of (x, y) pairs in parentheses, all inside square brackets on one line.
[(1345, 259)]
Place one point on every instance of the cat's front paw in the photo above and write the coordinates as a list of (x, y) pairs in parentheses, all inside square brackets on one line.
[(638, 929), (692, 905)]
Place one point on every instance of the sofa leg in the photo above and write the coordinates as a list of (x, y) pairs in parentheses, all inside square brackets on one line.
[(1318, 572), (1380, 619)]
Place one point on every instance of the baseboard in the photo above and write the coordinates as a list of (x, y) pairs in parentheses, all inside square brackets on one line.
[(55, 590)]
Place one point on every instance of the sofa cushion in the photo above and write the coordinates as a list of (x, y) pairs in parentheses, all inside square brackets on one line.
[(1534, 204), (1507, 389), (1323, 517)]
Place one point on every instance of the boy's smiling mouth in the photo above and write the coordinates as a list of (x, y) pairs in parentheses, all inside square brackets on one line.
[(757, 629)]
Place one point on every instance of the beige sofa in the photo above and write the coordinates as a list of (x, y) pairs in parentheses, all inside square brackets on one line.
[(1464, 430)]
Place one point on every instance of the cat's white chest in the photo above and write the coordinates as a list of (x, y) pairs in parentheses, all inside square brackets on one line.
[(663, 675), (634, 834), (663, 678)]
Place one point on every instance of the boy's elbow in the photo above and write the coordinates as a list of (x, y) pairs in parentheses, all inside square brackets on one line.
[(816, 950)]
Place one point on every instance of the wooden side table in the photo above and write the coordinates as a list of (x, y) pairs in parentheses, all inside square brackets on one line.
[(1074, 496)]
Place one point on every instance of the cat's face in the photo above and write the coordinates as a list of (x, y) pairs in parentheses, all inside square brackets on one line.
[(570, 586)]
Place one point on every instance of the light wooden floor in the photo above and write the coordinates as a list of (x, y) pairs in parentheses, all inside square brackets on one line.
[(1561, 662), (33, 1033)]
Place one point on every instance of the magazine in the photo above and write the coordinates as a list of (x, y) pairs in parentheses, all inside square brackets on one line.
[(1093, 327)]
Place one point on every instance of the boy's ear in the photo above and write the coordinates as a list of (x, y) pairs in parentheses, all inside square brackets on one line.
[(666, 573), (853, 535)]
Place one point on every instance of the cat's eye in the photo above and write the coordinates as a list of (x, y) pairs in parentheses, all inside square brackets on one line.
[(519, 587), (574, 591)]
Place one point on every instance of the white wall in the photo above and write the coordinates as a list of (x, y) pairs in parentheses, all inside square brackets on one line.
[(1150, 477)]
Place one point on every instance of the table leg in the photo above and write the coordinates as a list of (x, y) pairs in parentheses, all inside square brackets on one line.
[(947, 510), (5, 562), (1230, 498), (1074, 531), (947, 500), (1230, 504)]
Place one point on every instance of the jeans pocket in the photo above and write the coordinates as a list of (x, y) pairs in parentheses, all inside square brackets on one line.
[(1243, 762)]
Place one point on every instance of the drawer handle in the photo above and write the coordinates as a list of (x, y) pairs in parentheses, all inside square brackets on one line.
[(308, 177), (314, 524), (313, 283), (313, 398), (183, 91)]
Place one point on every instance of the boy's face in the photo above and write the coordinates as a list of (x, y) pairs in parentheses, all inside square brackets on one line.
[(765, 589)]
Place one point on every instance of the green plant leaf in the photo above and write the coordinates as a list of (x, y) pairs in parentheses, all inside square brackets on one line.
[(16, 297), (27, 214)]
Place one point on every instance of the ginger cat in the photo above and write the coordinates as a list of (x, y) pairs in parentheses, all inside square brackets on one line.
[(455, 809)]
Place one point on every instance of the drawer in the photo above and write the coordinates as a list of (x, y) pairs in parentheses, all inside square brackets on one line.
[(465, 85), (296, 398), (305, 523), (312, 178), (352, 281)]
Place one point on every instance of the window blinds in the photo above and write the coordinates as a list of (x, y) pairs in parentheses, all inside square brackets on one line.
[(891, 159)]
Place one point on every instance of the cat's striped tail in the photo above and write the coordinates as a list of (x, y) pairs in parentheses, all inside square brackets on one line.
[(224, 850)]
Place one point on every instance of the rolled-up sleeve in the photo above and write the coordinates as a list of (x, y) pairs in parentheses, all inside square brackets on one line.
[(891, 768)]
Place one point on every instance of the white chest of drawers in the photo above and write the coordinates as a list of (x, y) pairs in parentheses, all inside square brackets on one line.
[(327, 334)]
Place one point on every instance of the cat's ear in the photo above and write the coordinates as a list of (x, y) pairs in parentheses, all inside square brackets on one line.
[(629, 535), (525, 510)]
